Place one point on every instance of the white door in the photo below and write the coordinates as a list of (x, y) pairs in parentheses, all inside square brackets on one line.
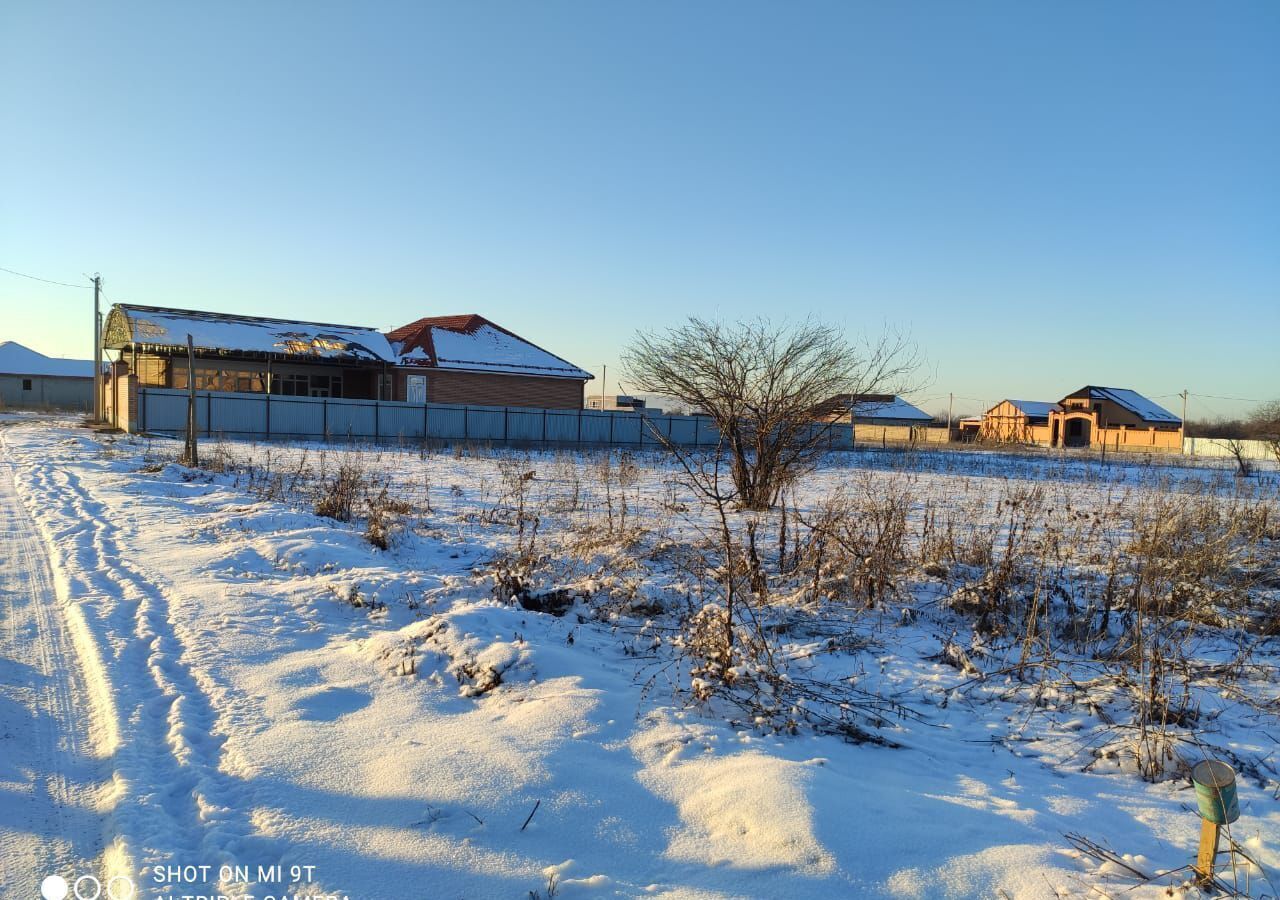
[(417, 390)]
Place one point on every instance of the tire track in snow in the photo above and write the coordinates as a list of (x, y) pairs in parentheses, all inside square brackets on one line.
[(51, 778), (176, 805)]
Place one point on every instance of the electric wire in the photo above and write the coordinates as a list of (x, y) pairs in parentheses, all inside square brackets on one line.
[(83, 287)]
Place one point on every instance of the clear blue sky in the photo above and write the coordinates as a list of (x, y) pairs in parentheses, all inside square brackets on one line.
[(1046, 195)]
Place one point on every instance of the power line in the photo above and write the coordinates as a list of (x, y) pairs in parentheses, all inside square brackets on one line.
[(83, 287), (1234, 399)]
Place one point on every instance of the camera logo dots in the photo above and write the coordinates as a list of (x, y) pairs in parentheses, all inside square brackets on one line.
[(87, 887)]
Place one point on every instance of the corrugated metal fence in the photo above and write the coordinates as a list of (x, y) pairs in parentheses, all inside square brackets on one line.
[(164, 411), (1200, 446)]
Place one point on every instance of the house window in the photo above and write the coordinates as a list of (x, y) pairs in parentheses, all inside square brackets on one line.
[(291, 385), (26, 384), (152, 371), (307, 385), (219, 379), (326, 386)]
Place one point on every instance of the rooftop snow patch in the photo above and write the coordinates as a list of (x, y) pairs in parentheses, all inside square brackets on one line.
[(162, 328), (1036, 409), (1137, 404), (473, 343), (873, 406), (893, 408), (15, 359)]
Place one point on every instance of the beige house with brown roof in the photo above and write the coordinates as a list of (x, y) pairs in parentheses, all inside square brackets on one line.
[(1114, 418)]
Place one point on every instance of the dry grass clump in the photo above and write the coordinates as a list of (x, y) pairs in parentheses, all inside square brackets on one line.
[(340, 494), (1078, 588)]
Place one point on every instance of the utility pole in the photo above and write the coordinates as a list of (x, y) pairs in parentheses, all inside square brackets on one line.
[(951, 402), (191, 453), (97, 351), (604, 381), (1183, 448)]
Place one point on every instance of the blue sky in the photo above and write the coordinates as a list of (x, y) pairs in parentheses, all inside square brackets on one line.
[(1045, 195)]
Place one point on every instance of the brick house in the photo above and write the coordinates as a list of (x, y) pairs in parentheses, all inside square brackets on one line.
[(469, 359), (1093, 416), (1115, 417)]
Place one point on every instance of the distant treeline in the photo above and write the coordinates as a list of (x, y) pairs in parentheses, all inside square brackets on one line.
[(1262, 425)]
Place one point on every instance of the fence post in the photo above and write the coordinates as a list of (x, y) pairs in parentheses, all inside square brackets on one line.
[(466, 423), (611, 415), (324, 418), (208, 414), (506, 415), (377, 421), (579, 425), (268, 401), (424, 420)]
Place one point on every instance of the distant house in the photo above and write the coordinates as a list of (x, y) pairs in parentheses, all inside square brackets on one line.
[(1117, 417), (621, 403), (469, 359), (881, 419), (31, 380), (1093, 416), (1017, 422), (874, 409), (448, 359)]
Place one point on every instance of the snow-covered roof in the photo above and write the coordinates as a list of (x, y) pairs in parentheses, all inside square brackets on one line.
[(15, 359), (1035, 409), (473, 343), (161, 328), (1137, 404), (892, 407), (871, 408)]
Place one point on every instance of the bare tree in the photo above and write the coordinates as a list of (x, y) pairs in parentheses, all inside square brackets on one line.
[(1264, 425), (764, 387), (1239, 450)]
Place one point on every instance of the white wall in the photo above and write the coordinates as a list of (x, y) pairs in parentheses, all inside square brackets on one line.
[(1199, 446)]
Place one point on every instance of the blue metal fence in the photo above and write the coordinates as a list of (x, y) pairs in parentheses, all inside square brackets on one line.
[(275, 417)]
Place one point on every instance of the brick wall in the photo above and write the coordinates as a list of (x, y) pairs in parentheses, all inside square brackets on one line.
[(121, 401), (483, 389)]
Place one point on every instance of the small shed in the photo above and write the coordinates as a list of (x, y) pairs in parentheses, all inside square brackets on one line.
[(31, 380)]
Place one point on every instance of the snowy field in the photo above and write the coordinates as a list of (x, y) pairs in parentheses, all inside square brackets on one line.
[(498, 674)]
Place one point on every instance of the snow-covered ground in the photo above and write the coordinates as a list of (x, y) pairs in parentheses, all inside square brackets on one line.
[(200, 671)]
